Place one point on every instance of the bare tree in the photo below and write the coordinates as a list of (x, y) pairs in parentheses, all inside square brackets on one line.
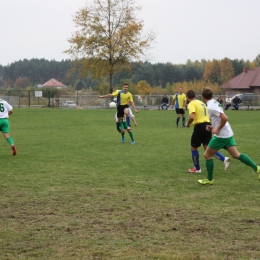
[(109, 36)]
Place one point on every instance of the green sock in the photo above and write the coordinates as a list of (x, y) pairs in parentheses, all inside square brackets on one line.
[(247, 160), (121, 125), (131, 135), (123, 134), (210, 168), (10, 140)]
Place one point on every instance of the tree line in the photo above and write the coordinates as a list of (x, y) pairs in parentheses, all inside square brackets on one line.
[(29, 73)]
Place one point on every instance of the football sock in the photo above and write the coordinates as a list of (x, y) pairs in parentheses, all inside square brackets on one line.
[(210, 168), (219, 156), (177, 120), (183, 121), (118, 126), (128, 120), (121, 125), (131, 135), (247, 160), (10, 140), (195, 159)]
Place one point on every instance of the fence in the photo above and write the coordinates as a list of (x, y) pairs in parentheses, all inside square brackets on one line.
[(48, 99)]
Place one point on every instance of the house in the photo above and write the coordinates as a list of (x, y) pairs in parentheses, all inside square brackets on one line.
[(54, 83), (246, 82)]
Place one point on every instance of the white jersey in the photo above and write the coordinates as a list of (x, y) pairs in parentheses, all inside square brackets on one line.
[(130, 114), (4, 109), (215, 109)]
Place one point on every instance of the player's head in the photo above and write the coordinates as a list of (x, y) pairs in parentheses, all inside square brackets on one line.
[(191, 94), (125, 88), (207, 93), (180, 90)]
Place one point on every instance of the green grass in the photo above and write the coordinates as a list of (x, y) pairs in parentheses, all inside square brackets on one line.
[(74, 191)]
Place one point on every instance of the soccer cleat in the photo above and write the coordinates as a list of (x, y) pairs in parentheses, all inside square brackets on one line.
[(205, 181), (194, 170), (13, 150), (176, 125), (226, 163), (183, 125), (258, 172), (133, 142), (123, 139)]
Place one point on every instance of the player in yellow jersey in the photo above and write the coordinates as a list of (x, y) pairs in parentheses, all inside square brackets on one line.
[(179, 102), (123, 97), (199, 117)]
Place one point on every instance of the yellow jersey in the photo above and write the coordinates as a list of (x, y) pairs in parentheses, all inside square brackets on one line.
[(123, 98), (179, 100), (201, 112)]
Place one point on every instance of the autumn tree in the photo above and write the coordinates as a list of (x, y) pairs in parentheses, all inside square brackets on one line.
[(21, 83), (109, 36), (143, 88), (226, 70), (211, 71)]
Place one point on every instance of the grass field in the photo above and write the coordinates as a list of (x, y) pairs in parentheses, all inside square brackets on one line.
[(74, 191)]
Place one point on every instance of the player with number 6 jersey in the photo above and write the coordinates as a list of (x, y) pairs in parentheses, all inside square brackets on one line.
[(5, 111)]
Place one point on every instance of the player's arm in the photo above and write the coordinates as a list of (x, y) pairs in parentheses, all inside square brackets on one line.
[(106, 96), (191, 119), (133, 105), (172, 103), (10, 112), (223, 120), (184, 104), (133, 119)]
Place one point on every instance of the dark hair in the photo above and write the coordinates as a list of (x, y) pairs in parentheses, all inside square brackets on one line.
[(207, 93), (191, 94), (125, 84)]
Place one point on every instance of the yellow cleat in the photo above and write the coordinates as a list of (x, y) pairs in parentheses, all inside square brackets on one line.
[(205, 181)]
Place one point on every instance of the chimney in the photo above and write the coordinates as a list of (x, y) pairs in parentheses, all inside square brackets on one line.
[(245, 70)]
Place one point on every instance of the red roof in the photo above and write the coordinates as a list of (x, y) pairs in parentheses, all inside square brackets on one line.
[(53, 83), (245, 80)]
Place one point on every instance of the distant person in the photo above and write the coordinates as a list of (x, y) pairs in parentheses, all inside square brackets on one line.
[(165, 102), (123, 97), (220, 100), (199, 117), (228, 102), (236, 102), (5, 111), (223, 138), (179, 102)]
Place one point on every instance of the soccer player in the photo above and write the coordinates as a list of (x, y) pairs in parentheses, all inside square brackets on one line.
[(123, 97), (5, 111), (223, 138), (126, 126), (199, 117), (179, 102)]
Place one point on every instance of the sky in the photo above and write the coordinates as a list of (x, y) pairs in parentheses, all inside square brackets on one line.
[(185, 29)]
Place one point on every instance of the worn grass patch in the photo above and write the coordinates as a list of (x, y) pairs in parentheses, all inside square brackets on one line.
[(74, 191)]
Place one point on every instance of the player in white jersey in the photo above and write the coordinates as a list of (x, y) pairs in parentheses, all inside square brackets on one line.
[(223, 137), (5, 110)]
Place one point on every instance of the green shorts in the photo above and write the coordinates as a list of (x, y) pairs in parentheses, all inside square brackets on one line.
[(4, 125), (217, 143), (123, 125)]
